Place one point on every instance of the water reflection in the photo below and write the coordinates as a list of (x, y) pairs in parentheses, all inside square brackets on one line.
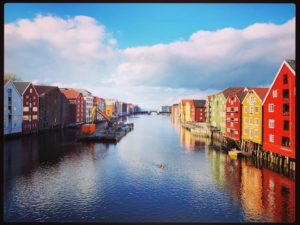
[(51, 177), (264, 195)]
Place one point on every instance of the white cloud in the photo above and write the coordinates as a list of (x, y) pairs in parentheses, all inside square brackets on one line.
[(79, 52), (211, 59)]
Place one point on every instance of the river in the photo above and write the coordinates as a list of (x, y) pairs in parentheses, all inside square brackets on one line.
[(50, 177)]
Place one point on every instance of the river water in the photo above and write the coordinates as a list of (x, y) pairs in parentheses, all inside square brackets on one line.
[(50, 177)]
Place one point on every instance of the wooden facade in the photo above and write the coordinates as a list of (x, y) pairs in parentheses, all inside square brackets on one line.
[(279, 112), (30, 99)]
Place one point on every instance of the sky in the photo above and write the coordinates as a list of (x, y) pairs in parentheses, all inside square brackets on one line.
[(148, 54)]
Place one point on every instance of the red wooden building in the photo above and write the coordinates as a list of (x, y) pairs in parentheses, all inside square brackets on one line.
[(234, 114), (200, 115), (279, 112), (76, 105), (30, 100)]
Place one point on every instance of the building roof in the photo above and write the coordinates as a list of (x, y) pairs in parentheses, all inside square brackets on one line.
[(21, 86), (231, 91), (70, 93), (84, 92), (292, 63), (41, 89), (5, 81), (241, 94), (199, 103), (261, 92), (184, 101)]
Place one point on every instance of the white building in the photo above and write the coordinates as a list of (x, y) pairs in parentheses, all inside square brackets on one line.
[(88, 104), (13, 109)]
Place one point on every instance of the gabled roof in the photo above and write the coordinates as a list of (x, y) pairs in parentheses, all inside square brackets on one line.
[(241, 95), (260, 92), (292, 63), (184, 101), (41, 89), (21, 86), (199, 103), (70, 93)]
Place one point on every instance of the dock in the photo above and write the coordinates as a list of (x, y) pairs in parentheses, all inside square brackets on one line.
[(107, 136)]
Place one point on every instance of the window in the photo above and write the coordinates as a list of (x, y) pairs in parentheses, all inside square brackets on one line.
[(27, 96), (271, 138), (256, 133), (15, 108), (34, 109), (245, 109), (286, 125), (285, 141), (25, 117), (256, 109), (251, 110), (271, 123), (231, 124), (30, 90), (25, 109), (250, 120), (251, 99), (250, 133), (285, 93), (275, 94), (285, 109), (271, 107), (256, 121), (246, 131), (236, 132), (285, 78), (34, 117), (245, 120)]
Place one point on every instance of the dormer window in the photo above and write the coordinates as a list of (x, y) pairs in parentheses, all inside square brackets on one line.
[(285, 79)]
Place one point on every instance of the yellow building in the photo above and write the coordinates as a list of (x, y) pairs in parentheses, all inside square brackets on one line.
[(109, 110), (182, 110), (252, 115)]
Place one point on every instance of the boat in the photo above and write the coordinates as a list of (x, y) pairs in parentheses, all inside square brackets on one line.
[(234, 153)]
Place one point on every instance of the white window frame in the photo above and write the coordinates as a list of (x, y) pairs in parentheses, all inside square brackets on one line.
[(250, 133), (274, 93), (255, 132), (271, 107), (271, 123), (271, 138), (245, 120)]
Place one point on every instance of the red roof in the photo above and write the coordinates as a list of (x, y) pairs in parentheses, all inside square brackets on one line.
[(261, 92), (70, 93), (41, 89), (184, 101), (5, 81)]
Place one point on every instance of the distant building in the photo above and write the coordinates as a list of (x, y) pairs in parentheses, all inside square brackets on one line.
[(175, 110), (30, 100), (234, 114), (76, 105), (199, 106), (88, 104), (129, 108), (110, 106), (186, 111), (218, 108), (164, 109), (13, 109), (51, 107), (208, 108)]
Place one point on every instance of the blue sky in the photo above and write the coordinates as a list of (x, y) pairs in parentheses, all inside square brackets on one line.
[(146, 24), (137, 46)]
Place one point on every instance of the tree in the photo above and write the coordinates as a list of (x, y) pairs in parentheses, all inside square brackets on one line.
[(11, 76)]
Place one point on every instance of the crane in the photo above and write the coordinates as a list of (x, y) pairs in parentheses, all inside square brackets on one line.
[(90, 128)]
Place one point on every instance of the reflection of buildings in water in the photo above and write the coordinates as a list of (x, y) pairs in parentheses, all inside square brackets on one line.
[(186, 139), (175, 121), (217, 165), (279, 197), (251, 192), (233, 172)]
